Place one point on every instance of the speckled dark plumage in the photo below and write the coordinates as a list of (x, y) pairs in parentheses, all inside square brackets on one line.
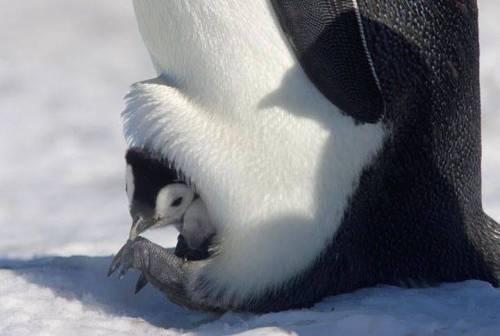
[(417, 215), (325, 36)]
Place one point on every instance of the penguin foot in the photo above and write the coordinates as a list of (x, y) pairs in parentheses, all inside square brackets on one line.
[(158, 266)]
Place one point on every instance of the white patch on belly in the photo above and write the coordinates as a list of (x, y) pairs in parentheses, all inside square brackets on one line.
[(274, 161)]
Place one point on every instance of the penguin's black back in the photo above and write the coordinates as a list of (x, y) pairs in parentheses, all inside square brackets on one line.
[(416, 216)]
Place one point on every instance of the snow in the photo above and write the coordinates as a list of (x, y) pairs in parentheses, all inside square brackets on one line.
[(64, 67)]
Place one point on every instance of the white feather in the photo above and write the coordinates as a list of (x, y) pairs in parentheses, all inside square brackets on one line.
[(196, 227), (274, 161)]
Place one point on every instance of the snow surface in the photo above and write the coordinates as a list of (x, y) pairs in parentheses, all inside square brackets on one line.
[(64, 66)]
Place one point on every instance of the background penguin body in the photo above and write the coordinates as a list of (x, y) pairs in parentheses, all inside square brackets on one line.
[(390, 129), (416, 217)]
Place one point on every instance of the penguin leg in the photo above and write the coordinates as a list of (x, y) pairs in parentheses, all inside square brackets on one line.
[(159, 266)]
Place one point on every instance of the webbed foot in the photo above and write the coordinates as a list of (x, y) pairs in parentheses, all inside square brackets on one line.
[(157, 265)]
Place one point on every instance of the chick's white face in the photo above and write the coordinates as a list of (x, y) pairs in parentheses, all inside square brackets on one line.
[(172, 202)]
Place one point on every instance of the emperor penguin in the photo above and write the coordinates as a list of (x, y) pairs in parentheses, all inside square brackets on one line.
[(335, 143)]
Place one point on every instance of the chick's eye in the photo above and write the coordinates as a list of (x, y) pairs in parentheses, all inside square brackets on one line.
[(177, 202)]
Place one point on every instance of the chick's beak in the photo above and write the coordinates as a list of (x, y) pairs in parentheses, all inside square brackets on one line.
[(139, 226)]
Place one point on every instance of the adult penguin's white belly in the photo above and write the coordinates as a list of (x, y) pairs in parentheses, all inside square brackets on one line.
[(274, 160)]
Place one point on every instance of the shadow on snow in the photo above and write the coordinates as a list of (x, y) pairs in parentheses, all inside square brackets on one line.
[(84, 278)]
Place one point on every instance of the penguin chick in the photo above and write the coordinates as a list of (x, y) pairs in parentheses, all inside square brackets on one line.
[(156, 191), (172, 202), (176, 205)]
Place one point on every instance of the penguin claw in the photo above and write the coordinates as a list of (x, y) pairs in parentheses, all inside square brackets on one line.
[(126, 266), (124, 271), (117, 261), (112, 268), (141, 283), (157, 265), (121, 258)]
